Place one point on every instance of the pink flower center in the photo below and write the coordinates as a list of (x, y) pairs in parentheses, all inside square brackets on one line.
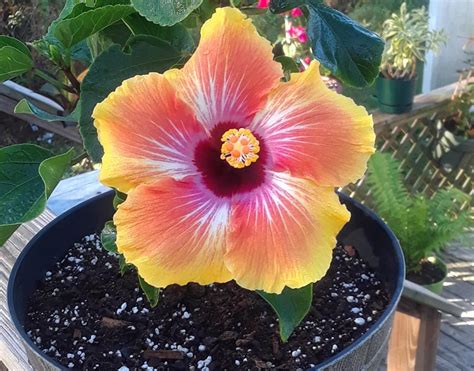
[(220, 178)]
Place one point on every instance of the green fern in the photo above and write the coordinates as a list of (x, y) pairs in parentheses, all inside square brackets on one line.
[(423, 226)]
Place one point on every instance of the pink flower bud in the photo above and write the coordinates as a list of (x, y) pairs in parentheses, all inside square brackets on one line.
[(296, 12)]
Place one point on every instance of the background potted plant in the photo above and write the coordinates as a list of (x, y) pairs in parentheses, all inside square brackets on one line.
[(407, 39), (423, 226), (454, 144)]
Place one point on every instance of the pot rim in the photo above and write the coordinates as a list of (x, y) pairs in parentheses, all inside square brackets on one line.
[(391, 307), (382, 77)]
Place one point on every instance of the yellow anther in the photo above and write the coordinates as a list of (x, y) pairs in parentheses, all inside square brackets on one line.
[(239, 148)]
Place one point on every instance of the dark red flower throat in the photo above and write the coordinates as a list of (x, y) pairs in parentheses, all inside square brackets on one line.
[(221, 178)]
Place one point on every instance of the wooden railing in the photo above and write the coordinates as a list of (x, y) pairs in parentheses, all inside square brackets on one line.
[(11, 93)]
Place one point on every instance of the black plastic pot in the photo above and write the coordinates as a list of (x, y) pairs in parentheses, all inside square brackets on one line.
[(395, 96), (374, 241), (437, 287)]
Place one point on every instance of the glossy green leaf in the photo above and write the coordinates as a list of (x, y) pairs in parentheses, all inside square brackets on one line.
[(25, 106), (165, 13), (351, 52), (152, 293), (291, 306), (13, 62), (107, 73), (76, 28), (177, 35), (28, 176), (17, 44), (108, 237)]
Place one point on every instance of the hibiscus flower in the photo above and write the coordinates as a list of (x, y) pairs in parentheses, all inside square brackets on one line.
[(230, 172)]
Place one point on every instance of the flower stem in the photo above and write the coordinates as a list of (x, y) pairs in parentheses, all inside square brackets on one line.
[(72, 79), (53, 81)]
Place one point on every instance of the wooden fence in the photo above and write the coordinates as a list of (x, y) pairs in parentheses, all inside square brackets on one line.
[(411, 138)]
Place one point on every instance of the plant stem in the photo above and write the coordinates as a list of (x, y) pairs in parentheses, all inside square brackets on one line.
[(53, 81), (72, 79)]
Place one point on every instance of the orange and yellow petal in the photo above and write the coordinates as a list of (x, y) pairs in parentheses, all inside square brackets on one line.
[(283, 233), (231, 72), (174, 233), (314, 132), (147, 132)]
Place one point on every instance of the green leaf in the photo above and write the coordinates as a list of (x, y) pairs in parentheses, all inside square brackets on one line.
[(107, 73), (152, 293), (17, 44), (119, 197), (28, 176), (291, 306), (13, 62), (123, 266), (25, 106), (289, 66), (83, 23), (177, 35), (165, 13), (49, 46), (108, 236), (6, 231), (351, 52)]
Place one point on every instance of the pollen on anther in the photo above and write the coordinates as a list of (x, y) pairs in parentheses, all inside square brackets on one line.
[(239, 148)]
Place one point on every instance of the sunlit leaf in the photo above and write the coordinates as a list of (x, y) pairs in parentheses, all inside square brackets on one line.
[(13, 62), (14, 43), (76, 28), (165, 12), (25, 106)]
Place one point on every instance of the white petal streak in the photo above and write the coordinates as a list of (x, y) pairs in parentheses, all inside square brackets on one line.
[(205, 217), (170, 151), (282, 200)]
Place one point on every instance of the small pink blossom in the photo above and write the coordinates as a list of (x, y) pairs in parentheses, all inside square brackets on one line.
[(263, 4), (298, 32), (307, 60), (296, 12)]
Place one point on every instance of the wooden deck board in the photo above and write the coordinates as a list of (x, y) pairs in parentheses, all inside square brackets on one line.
[(456, 341), (12, 353)]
